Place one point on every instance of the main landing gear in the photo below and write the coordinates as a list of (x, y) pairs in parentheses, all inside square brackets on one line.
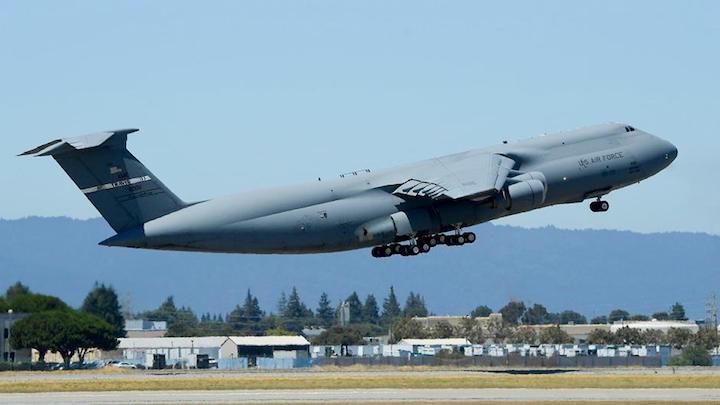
[(423, 244), (599, 206)]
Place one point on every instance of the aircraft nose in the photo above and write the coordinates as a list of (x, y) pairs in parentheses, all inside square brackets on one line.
[(671, 152)]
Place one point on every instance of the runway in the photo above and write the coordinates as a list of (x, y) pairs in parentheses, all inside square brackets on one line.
[(365, 395)]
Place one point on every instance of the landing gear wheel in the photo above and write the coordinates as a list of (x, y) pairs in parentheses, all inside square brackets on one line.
[(376, 252), (424, 247), (599, 206), (432, 241), (460, 239), (414, 250), (396, 248), (387, 251), (442, 239), (470, 237)]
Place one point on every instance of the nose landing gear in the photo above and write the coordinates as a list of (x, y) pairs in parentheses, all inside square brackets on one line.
[(599, 206)]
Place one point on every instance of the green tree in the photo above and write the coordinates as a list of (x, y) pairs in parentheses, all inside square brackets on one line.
[(297, 314), (482, 311), (165, 312), (639, 317), (95, 333), (618, 315), (599, 320), (554, 335), (523, 335), (629, 336), (677, 312), (707, 338), (247, 319), (654, 337), (282, 303), (512, 312), (567, 317), (30, 303), (678, 337), (471, 330), (34, 332), (356, 308), (16, 290), (406, 328), (692, 355), (499, 330), (661, 316), (535, 315), (415, 306), (370, 310), (443, 330), (102, 301), (601, 337), (339, 335), (325, 313), (391, 308), (184, 323)]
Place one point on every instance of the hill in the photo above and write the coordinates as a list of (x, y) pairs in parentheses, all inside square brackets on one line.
[(590, 271)]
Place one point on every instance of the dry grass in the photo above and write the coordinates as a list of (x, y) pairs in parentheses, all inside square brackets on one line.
[(320, 381)]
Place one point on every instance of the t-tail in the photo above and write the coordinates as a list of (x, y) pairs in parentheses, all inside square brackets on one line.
[(122, 189)]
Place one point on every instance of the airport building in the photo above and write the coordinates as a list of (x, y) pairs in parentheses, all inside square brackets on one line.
[(140, 328), (9, 353)]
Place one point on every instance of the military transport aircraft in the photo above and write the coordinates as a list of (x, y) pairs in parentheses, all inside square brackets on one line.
[(405, 210)]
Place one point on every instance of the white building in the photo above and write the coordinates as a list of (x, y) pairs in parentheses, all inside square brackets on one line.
[(175, 349), (655, 325)]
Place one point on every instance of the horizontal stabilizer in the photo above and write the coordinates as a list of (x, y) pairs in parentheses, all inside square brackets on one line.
[(65, 145)]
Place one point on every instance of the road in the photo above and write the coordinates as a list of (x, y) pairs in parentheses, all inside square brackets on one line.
[(367, 395)]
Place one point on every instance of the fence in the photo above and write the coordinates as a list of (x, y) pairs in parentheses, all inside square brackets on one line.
[(488, 361), (233, 364), (271, 363)]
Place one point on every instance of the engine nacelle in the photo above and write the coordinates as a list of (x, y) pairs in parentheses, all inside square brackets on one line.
[(399, 224), (525, 195)]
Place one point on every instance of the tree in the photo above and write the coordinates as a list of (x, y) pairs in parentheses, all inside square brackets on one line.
[(498, 330), (707, 338), (339, 335), (356, 308), (370, 310), (512, 312), (654, 337), (482, 311), (282, 303), (34, 332), (661, 316), (471, 330), (678, 337), (296, 314), (184, 323), (31, 303), (16, 290), (692, 355), (102, 301), (601, 337), (96, 333), (524, 335), (406, 328), (629, 336), (391, 308), (554, 335), (165, 312), (599, 320), (325, 313), (535, 315), (677, 312), (572, 317), (618, 315), (639, 317), (443, 330), (415, 306), (247, 319)]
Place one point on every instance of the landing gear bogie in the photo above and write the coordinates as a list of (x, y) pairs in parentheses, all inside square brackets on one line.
[(423, 244), (599, 206)]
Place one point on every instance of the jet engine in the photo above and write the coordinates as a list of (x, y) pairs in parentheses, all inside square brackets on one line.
[(526, 193), (399, 224)]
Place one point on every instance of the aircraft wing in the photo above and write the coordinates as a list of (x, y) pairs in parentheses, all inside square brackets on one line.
[(460, 177)]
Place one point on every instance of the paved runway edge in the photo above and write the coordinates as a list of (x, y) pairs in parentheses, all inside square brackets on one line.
[(365, 395)]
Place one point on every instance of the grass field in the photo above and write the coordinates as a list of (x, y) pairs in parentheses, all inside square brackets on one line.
[(334, 381)]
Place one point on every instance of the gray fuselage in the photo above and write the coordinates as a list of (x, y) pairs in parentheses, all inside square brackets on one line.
[(341, 214)]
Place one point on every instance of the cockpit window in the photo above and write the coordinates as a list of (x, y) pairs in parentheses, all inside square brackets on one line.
[(629, 129)]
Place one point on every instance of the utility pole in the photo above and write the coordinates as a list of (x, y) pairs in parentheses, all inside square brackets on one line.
[(711, 313)]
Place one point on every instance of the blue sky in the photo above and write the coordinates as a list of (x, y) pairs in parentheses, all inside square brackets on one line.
[(232, 96)]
